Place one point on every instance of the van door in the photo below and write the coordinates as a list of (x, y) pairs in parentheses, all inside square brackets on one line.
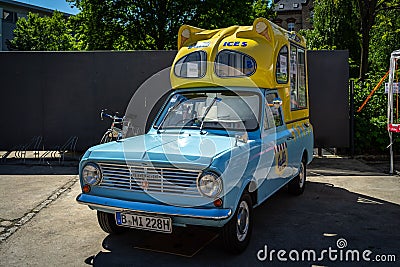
[(276, 140), (283, 137)]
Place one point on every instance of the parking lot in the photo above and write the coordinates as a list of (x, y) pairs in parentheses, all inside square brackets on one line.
[(345, 199)]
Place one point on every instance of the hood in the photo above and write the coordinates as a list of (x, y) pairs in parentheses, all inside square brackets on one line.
[(185, 149)]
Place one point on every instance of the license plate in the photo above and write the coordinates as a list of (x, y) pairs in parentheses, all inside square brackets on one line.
[(145, 222)]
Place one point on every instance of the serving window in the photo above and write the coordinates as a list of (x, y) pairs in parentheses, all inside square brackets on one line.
[(193, 65), (281, 66), (298, 93), (272, 113), (234, 64)]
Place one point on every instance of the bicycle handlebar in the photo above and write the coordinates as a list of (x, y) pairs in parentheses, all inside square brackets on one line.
[(114, 117)]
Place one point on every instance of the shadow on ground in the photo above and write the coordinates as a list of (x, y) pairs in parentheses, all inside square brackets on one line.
[(344, 167), (47, 168), (314, 220)]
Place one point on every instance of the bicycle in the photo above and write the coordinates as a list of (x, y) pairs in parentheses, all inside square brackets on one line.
[(114, 133)]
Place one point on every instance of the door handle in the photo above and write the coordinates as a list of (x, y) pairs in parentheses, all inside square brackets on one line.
[(291, 137)]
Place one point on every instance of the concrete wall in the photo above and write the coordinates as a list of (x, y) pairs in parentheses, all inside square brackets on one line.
[(60, 94)]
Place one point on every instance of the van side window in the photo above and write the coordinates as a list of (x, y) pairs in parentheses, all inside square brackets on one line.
[(272, 116), (281, 65), (293, 77), (302, 94), (298, 94), (234, 64), (193, 65)]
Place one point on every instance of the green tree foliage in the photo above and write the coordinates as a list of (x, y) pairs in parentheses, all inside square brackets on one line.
[(263, 9), (369, 11), (336, 26), (352, 25), (126, 25), (385, 38), (43, 34), (131, 25), (211, 14), (371, 122), (154, 24), (369, 29)]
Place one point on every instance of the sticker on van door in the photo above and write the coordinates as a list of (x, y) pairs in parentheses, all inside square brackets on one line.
[(281, 158)]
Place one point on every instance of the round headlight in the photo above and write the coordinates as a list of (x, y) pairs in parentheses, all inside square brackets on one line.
[(209, 185), (91, 174)]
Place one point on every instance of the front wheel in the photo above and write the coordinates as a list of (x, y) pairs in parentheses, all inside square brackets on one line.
[(237, 232), (298, 183), (107, 223)]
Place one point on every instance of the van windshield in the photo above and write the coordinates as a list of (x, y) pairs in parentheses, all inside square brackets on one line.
[(223, 109)]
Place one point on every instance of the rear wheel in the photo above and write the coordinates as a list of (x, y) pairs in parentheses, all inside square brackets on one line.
[(297, 184), (107, 223), (237, 232)]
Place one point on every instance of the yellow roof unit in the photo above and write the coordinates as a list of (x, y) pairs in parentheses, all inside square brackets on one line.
[(233, 56)]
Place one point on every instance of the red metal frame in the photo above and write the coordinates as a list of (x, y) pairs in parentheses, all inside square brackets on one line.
[(395, 128)]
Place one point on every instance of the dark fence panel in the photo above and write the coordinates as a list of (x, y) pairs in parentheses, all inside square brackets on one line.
[(60, 94), (328, 75)]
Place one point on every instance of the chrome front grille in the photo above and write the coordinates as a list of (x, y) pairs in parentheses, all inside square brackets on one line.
[(149, 179)]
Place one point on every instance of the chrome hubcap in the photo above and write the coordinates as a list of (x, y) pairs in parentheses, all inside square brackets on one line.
[(243, 218), (301, 176)]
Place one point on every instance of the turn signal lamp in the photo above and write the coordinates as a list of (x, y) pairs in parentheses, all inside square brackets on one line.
[(218, 202), (86, 188)]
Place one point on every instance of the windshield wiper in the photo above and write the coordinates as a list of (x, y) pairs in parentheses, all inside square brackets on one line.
[(206, 112), (166, 115)]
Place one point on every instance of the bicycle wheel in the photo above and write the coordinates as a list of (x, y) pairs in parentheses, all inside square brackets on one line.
[(107, 137)]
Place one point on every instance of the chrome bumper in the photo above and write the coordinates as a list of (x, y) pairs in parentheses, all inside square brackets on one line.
[(139, 207)]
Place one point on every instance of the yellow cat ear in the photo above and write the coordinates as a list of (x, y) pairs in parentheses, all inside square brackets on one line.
[(264, 28), (184, 35), (188, 35)]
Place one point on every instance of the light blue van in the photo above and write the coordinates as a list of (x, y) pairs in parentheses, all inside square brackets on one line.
[(212, 154)]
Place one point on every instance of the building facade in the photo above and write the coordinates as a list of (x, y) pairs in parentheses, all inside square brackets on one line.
[(294, 15), (10, 12)]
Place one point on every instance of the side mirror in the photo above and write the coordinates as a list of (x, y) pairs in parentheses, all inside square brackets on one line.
[(277, 102), (242, 138)]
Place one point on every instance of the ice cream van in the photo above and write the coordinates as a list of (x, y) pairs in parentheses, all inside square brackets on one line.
[(234, 130)]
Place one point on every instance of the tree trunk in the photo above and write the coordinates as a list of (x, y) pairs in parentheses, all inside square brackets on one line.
[(367, 12), (162, 15), (364, 54)]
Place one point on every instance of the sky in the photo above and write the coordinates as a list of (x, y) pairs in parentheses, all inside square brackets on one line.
[(60, 5)]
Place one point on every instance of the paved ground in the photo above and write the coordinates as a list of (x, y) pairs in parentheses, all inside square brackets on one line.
[(42, 225)]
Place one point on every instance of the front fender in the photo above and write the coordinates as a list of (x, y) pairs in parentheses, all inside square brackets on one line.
[(231, 199)]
